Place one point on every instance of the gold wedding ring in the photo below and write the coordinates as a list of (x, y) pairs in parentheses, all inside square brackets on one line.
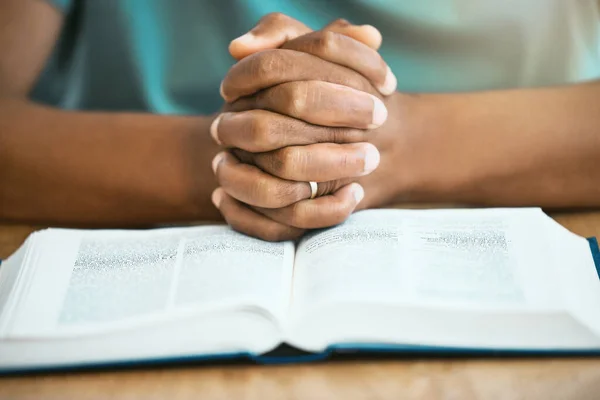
[(313, 189)]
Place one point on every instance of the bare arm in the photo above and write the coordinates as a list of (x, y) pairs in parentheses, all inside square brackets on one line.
[(521, 147), (505, 148), (83, 168)]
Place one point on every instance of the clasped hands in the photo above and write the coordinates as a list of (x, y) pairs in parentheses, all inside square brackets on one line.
[(304, 106)]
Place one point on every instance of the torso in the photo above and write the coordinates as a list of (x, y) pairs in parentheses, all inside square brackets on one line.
[(169, 56)]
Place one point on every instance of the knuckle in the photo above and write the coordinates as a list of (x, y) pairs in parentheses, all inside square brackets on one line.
[(287, 194), (346, 161), (264, 64), (294, 99), (325, 188), (357, 81), (326, 42), (340, 22), (288, 159), (275, 17), (289, 162), (346, 135), (274, 195), (288, 156), (275, 161), (263, 190), (298, 216), (336, 135), (258, 131)]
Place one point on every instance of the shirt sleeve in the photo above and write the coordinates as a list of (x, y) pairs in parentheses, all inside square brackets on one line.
[(62, 5)]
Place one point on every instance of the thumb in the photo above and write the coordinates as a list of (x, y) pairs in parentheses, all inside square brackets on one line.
[(272, 31), (366, 34)]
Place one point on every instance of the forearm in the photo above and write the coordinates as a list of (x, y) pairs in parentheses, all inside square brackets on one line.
[(520, 147), (103, 169)]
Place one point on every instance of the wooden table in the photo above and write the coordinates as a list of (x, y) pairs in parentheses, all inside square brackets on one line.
[(542, 378)]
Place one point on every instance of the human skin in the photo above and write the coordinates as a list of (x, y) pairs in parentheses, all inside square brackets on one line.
[(101, 169), (514, 147), (518, 147)]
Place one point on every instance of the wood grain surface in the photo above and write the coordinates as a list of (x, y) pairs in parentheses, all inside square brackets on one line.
[(406, 378)]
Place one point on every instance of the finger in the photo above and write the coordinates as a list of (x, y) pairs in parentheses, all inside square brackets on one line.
[(275, 29), (259, 131), (348, 52), (244, 220), (271, 32), (367, 34), (319, 103), (252, 186), (321, 212), (316, 162), (273, 67)]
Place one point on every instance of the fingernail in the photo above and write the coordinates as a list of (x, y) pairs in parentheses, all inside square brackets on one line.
[(217, 197), (380, 113), (389, 86), (221, 92), (374, 34), (217, 160), (358, 192), (214, 129), (246, 39), (372, 158)]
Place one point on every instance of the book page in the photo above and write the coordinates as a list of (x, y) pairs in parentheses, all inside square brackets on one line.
[(497, 278), (359, 260), (438, 258), (94, 279)]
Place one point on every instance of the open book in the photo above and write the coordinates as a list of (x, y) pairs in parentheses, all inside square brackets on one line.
[(492, 279)]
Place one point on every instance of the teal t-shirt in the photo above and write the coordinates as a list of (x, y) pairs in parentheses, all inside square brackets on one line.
[(169, 56)]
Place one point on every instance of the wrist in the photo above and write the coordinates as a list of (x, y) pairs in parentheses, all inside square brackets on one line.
[(195, 175), (416, 131)]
